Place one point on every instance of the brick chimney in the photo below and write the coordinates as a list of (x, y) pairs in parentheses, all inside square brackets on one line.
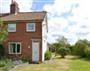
[(14, 9)]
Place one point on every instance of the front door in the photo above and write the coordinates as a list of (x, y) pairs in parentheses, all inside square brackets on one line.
[(35, 51)]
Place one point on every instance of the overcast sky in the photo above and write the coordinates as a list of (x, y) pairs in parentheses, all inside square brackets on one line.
[(69, 18)]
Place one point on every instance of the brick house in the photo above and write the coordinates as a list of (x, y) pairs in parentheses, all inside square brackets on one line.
[(27, 34)]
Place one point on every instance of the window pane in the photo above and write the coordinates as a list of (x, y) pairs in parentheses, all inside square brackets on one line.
[(12, 47), (11, 27), (18, 48), (31, 26)]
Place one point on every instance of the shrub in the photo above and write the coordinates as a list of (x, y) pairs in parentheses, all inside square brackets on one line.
[(6, 64), (78, 50), (48, 55), (24, 60), (87, 52), (2, 63), (63, 51), (1, 51)]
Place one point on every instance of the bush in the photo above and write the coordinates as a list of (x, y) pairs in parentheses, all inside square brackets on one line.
[(48, 55), (6, 64), (25, 60), (63, 51), (78, 49), (1, 51), (87, 52), (2, 63)]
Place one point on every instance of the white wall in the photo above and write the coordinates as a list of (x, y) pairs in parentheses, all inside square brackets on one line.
[(44, 38)]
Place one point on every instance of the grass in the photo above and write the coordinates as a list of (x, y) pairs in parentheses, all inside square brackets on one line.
[(79, 65), (58, 64), (70, 63)]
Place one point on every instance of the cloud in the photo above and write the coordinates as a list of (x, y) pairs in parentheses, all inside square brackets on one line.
[(70, 18), (24, 5)]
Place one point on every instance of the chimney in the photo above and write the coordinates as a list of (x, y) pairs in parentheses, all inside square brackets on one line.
[(14, 9)]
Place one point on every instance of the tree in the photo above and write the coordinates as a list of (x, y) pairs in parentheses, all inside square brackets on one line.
[(63, 51), (3, 31), (63, 42), (81, 48)]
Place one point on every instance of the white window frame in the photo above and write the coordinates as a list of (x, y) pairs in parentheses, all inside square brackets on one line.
[(28, 30), (12, 30), (15, 49)]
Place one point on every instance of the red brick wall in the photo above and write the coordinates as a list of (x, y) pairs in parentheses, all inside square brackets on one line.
[(25, 38)]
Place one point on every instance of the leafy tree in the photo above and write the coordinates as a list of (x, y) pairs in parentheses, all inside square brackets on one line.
[(63, 51), (63, 42), (3, 36), (81, 48), (3, 31)]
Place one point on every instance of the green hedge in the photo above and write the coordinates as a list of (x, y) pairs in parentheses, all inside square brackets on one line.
[(48, 55)]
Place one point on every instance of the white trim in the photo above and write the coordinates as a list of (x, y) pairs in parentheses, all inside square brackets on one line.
[(36, 39), (12, 30), (28, 30), (16, 48)]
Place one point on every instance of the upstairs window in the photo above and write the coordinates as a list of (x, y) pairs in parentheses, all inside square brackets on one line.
[(11, 27), (30, 27)]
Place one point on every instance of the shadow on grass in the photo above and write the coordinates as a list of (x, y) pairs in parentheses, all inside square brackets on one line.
[(85, 59), (58, 57), (72, 57), (78, 58)]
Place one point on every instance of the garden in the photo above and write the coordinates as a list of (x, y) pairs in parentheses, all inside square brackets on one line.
[(60, 56)]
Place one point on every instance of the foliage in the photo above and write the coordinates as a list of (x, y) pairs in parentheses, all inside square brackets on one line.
[(25, 59), (6, 64), (1, 51), (3, 31), (61, 42), (63, 51), (87, 52), (48, 55), (81, 48), (54, 47)]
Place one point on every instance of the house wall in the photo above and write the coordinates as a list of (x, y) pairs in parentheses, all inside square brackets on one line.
[(44, 38), (25, 38)]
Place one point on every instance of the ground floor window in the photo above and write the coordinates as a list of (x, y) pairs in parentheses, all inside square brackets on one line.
[(14, 48)]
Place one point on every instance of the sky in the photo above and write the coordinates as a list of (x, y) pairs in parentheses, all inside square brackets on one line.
[(69, 18)]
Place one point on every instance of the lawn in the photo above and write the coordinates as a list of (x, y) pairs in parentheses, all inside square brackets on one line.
[(70, 63), (79, 65), (58, 64)]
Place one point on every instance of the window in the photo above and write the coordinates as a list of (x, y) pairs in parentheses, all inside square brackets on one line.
[(30, 27), (11, 27), (14, 48)]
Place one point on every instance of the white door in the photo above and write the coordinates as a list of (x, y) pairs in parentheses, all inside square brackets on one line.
[(35, 51)]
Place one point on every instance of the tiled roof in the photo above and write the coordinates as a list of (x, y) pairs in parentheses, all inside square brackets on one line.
[(26, 16)]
